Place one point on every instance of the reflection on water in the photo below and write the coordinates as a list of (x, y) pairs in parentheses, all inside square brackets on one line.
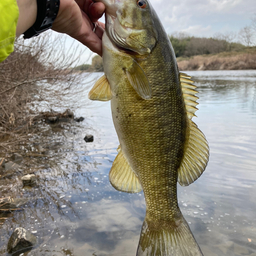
[(75, 211)]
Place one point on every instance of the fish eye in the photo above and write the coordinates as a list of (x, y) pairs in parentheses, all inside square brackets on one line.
[(142, 3)]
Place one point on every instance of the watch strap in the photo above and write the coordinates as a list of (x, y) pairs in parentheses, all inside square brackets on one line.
[(47, 11)]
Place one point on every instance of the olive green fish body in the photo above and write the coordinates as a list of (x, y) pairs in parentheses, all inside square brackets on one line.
[(152, 105), (152, 133)]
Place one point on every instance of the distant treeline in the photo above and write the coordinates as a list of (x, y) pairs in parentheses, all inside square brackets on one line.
[(187, 46), (96, 66)]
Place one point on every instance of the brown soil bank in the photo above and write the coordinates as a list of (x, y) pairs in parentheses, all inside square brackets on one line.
[(221, 61)]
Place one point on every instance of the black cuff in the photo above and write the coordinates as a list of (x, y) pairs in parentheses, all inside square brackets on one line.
[(47, 11)]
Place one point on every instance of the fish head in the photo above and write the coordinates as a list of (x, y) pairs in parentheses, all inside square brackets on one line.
[(130, 26)]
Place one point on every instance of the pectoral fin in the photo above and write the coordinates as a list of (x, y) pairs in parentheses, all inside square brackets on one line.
[(139, 80), (122, 177), (196, 151), (101, 90)]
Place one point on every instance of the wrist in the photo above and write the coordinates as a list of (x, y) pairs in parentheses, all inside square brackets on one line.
[(25, 21), (42, 14)]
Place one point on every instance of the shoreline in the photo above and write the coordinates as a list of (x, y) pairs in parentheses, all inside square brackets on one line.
[(221, 61)]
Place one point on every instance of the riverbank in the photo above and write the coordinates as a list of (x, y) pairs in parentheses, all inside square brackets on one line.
[(222, 61)]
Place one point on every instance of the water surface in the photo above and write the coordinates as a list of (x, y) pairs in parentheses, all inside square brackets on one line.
[(75, 211)]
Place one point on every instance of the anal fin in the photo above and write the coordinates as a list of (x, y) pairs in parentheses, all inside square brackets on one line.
[(122, 177)]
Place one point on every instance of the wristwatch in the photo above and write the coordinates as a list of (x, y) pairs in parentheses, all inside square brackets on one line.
[(47, 11)]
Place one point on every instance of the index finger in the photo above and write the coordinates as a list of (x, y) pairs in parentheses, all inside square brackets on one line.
[(95, 11)]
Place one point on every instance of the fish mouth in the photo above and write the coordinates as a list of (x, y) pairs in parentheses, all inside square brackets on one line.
[(113, 35), (117, 40), (110, 19)]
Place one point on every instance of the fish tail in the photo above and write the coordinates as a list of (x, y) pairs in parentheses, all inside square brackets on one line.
[(170, 240)]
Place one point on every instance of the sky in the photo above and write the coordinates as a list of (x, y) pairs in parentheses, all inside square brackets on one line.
[(203, 18)]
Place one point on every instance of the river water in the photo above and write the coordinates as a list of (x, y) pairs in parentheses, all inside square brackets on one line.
[(75, 211)]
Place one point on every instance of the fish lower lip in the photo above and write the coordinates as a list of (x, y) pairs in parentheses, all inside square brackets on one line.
[(110, 19)]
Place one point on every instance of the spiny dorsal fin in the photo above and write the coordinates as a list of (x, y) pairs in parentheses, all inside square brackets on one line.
[(188, 89), (101, 90), (184, 75), (196, 151), (122, 177)]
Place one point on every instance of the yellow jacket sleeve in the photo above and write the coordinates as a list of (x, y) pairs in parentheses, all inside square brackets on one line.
[(9, 13)]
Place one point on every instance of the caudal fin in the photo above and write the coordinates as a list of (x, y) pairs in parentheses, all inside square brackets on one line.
[(168, 241)]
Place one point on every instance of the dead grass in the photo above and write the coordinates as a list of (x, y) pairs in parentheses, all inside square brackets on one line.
[(229, 61), (45, 60)]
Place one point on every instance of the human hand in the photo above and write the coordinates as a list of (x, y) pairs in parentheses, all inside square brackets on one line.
[(79, 19)]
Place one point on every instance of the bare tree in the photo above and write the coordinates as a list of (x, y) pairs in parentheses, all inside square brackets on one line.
[(227, 39), (246, 35), (180, 35)]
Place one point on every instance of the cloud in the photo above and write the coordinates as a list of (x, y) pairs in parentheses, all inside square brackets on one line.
[(224, 5), (204, 17), (114, 216)]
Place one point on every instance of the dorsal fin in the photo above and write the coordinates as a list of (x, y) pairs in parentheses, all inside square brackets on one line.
[(196, 150), (121, 175), (189, 92)]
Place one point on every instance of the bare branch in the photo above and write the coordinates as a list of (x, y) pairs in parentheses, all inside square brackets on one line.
[(39, 69), (246, 35)]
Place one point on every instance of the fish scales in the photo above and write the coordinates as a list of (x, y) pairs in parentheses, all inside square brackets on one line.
[(159, 143), (157, 139), (157, 128)]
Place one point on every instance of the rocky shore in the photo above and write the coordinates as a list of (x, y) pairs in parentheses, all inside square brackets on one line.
[(19, 173)]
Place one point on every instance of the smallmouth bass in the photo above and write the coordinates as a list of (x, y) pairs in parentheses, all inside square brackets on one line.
[(152, 106)]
